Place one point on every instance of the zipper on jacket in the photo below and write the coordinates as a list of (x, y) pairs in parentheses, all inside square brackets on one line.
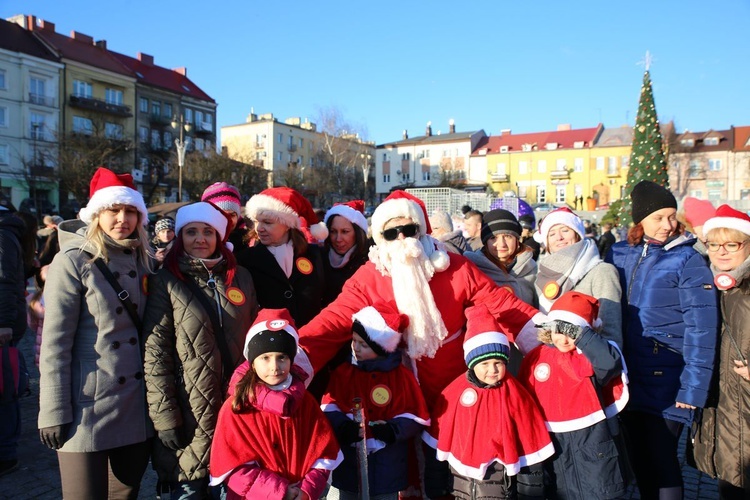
[(211, 284), (640, 259)]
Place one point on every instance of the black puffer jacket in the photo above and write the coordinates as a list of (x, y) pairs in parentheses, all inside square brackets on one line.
[(12, 282)]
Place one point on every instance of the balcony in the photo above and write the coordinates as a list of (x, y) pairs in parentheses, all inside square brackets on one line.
[(291, 148), (260, 145), (41, 171), (158, 119), (560, 174), (204, 127), (613, 172), (500, 177), (99, 105), (41, 100)]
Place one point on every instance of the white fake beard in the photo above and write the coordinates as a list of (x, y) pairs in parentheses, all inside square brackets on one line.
[(411, 271)]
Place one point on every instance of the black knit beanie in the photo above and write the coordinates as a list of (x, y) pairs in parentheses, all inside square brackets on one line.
[(648, 197), (499, 221), (271, 341)]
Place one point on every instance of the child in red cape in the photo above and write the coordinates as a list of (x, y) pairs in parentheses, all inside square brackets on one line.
[(485, 424), (272, 440), (578, 379), (393, 405)]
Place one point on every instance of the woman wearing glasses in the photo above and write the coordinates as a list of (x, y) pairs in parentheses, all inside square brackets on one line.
[(670, 319), (722, 446), (200, 306)]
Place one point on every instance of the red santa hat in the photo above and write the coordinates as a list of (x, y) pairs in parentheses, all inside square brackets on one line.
[(273, 331), (563, 216), (729, 218), (288, 206), (483, 339), (108, 189), (205, 212), (381, 326), (576, 308), (697, 212), (353, 211)]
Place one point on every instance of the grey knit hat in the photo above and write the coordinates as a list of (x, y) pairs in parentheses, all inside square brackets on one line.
[(499, 221)]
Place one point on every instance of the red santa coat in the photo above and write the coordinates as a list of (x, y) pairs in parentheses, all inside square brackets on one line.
[(287, 446), (384, 395), (455, 289), (560, 382), (473, 427)]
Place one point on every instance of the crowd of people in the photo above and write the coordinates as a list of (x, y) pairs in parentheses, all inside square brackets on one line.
[(262, 350)]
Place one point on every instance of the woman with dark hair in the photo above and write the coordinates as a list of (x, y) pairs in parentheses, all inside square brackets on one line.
[(671, 319), (346, 246), (286, 270), (199, 309)]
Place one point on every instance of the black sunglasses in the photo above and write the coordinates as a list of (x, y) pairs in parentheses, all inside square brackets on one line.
[(408, 230)]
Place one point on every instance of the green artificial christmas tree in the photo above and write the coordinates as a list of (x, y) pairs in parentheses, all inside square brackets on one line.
[(647, 161)]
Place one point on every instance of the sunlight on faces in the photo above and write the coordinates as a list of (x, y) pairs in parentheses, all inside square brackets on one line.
[(342, 235), (490, 371), (503, 246), (119, 222), (563, 342), (661, 224), (561, 236), (473, 226), (362, 350), (723, 259), (199, 240), (271, 232), (272, 367)]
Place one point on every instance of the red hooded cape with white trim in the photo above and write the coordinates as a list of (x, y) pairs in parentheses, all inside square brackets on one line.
[(499, 424), (289, 447), (560, 383)]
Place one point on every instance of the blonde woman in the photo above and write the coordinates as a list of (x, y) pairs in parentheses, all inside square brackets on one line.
[(92, 393)]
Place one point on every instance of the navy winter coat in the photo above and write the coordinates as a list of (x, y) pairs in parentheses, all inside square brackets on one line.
[(670, 325)]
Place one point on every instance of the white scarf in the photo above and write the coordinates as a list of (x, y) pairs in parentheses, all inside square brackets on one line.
[(337, 260), (284, 255), (569, 265)]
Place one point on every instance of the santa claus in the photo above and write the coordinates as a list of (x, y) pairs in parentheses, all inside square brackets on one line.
[(429, 285)]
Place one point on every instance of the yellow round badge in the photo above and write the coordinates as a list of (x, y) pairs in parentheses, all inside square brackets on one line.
[(144, 285), (304, 265), (235, 296), (551, 290), (380, 395)]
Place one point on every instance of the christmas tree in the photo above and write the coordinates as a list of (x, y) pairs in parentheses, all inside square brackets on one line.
[(647, 161)]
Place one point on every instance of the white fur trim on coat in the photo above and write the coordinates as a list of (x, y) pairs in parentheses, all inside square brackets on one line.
[(110, 196)]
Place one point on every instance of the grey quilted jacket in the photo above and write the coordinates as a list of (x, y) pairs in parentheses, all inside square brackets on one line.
[(183, 365)]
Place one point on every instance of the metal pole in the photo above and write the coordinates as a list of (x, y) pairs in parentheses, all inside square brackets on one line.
[(180, 145)]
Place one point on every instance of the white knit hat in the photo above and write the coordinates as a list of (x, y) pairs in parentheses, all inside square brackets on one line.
[(353, 211), (563, 216), (108, 189), (205, 212)]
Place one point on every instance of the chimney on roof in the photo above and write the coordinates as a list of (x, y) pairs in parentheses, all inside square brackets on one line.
[(182, 71), (563, 127), (102, 44), (80, 37), (406, 134), (451, 126), (428, 130), (26, 22), (146, 59), (505, 131)]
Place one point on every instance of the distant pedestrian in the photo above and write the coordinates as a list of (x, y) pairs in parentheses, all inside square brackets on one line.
[(442, 230), (473, 229), (92, 402), (606, 240)]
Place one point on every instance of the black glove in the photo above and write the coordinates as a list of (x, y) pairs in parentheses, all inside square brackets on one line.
[(559, 326), (54, 437), (384, 432), (348, 433), (174, 439)]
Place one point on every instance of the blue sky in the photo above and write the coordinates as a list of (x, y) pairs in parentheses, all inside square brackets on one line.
[(394, 65)]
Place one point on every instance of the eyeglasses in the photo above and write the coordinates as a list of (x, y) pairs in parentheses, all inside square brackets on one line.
[(408, 230), (729, 246)]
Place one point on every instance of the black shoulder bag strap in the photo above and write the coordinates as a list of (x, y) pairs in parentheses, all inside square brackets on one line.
[(218, 328), (122, 294)]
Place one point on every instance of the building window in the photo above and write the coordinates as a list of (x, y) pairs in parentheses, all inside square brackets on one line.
[(714, 194), (3, 154), (113, 131), (600, 163), (625, 161), (578, 164), (3, 117), (560, 194), (143, 105), (541, 166), (143, 134), (155, 108), (82, 125), (37, 126), (711, 141), (541, 194), (155, 139), (113, 96), (188, 115), (82, 89), (281, 138), (500, 168), (208, 117), (561, 165), (694, 169), (279, 156), (167, 110), (688, 143), (406, 156), (36, 90), (612, 166), (523, 191), (2, 86), (385, 156), (199, 144), (291, 141), (696, 193), (301, 142), (199, 117), (426, 175), (714, 165), (167, 139), (386, 177), (523, 167)]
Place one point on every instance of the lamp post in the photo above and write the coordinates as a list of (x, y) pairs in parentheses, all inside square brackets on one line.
[(183, 127), (34, 170), (366, 157)]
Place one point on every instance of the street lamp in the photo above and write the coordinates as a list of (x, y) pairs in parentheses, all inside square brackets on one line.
[(183, 127), (365, 171)]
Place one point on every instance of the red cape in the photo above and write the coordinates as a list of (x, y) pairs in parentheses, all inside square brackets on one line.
[(385, 395), (561, 385), (289, 447), (476, 427)]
